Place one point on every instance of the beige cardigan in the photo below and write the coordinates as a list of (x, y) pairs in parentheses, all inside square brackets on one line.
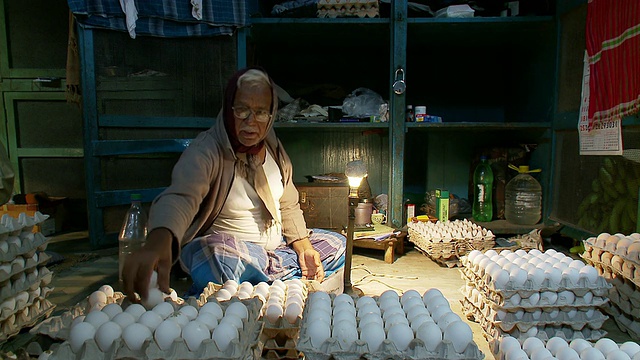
[(200, 184)]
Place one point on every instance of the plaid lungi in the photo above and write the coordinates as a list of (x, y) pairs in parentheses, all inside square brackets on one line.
[(219, 257)]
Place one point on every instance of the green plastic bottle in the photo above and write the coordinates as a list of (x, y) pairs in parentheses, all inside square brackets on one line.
[(482, 209)]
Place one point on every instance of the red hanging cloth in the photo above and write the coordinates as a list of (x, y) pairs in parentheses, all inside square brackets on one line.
[(613, 56)]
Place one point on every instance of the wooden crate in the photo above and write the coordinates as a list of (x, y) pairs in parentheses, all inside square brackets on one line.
[(325, 206)]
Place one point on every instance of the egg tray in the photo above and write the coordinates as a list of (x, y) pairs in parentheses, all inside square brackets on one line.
[(23, 223), (606, 270), (57, 327), (625, 306), (527, 321), (448, 253), (494, 347), (593, 243), (628, 264), (7, 313), (38, 309), (343, 8), (625, 322), (29, 264), (279, 347), (599, 288), (31, 282), (29, 245), (246, 346), (332, 349), (543, 333), (499, 303)]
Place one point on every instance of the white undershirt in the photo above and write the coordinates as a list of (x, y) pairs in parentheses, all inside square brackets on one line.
[(241, 214)]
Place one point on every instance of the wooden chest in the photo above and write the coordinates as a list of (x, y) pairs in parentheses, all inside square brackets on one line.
[(325, 206)]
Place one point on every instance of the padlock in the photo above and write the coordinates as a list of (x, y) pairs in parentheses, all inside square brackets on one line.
[(399, 85)]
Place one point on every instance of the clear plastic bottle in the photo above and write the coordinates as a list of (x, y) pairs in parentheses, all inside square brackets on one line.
[(482, 209), (523, 198), (133, 232)]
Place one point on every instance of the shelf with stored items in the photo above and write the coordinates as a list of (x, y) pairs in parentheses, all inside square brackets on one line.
[(491, 80), (322, 61)]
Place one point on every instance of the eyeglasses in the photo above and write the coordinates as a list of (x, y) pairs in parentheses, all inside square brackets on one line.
[(243, 113)]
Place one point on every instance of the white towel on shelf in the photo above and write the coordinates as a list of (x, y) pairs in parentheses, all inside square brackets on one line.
[(196, 11), (131, 15)]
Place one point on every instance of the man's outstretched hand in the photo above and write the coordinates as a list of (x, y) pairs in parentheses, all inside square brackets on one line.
[(138, 267)]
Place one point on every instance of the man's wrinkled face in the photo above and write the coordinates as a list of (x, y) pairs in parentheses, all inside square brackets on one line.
[(255, 101)]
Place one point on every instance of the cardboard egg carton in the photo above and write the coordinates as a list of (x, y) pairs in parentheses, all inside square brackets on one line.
[(29, 244), (332, 347), (31, 282), (483, 281), (279, 348), (23, 223), (24, 300), (348, 8), (526, 320), (246, 346), (597, 247), (29, 264), (625, 322), (624, 304), (543, 333), (27, 316)]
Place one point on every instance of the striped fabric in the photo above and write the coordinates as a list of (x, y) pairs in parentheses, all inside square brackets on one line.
[(613, 57), (219, 257), (168, 18)]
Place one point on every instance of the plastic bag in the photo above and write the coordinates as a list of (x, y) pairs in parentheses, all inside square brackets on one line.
[(362, 102)]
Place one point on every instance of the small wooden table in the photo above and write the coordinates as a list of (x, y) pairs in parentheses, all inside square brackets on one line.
[(390, 245)]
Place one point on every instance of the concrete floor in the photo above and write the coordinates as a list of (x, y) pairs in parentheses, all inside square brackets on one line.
[(371, 275)]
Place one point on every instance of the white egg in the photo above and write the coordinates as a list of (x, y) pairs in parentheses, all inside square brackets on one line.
[(214, 308), (518, 277), (239, 309), (370, 319), (223, 335), (515, 299), (516, 354), (591, 353), (395, 319), (166, 333), (567, 354), (389, 303), (274, 312), (135, 335), (618, 355), (9, 304), (540, 353), (97, 297), (234, 320), (507, 343), (579, 345), (180, 319), (566, 297), (631, 348), (401, 335), (154, 297), (417, 310), (606, 345), (124, 319), (500, 279), (150, 319), (588, 297), (319, 333), (292, 312), (368, 308), (430, 334), (208, 319), (436, 302), (570, 276), (555, 276), (194, 333), (439, 312), (77, 320), (231, 284), (590, 273), (548, 298), (106, 334), (345, 332), (164, 310), (555, 344), (430, 294), (460, 335), (136, 310), (107, 290), (79, 334), (418, 320), (534, 298), (223, 295), (112, 310), (373, 335), (447, 319), (189, 311), (96, 318)]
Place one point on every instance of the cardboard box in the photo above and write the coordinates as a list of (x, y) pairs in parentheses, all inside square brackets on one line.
[(325, 206)]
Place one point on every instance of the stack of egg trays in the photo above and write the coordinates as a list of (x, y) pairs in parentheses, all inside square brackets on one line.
[(485, 304), (448, 252), (331, 348), (245, 347), (23, 276), (280, 339), (622, 270)]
